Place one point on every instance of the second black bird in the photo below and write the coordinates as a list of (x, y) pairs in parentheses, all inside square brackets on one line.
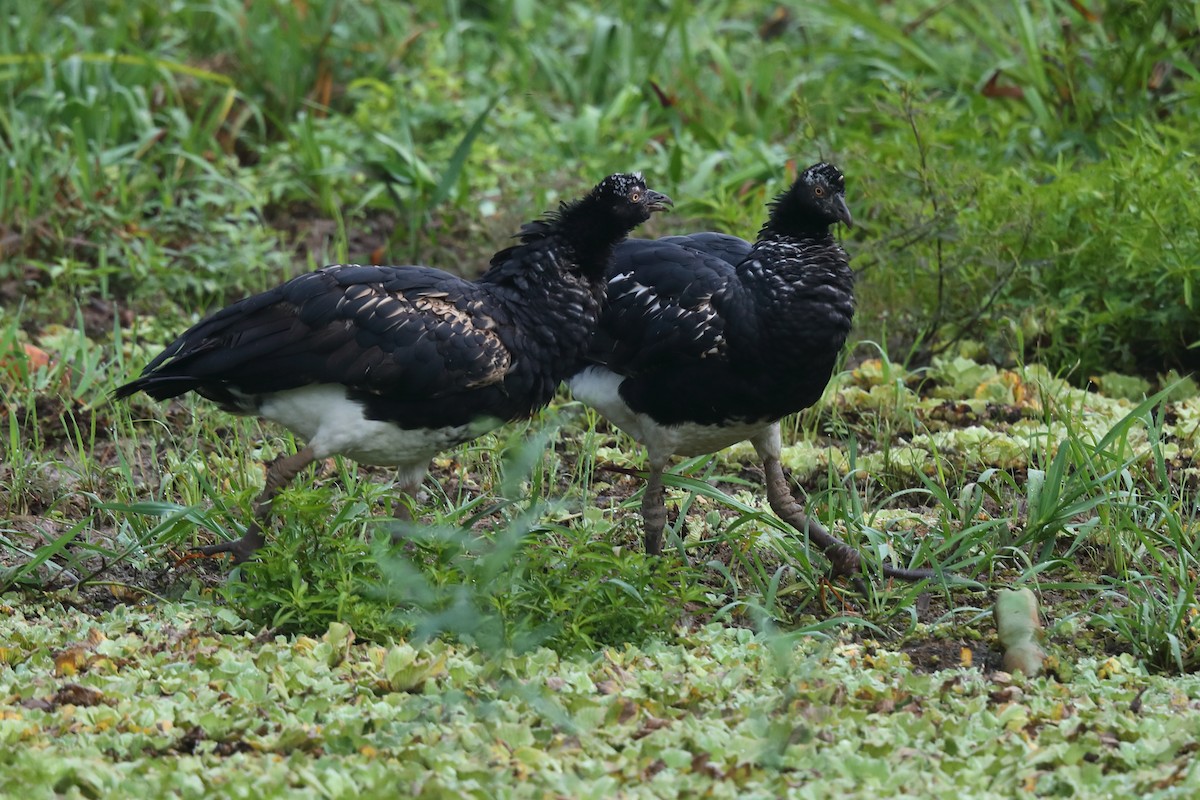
[(709, 340)]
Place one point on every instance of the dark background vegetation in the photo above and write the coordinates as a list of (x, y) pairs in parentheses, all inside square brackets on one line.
[(1022, 172)]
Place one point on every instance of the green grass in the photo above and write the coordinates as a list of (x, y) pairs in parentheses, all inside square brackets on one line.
[(1011, 413)]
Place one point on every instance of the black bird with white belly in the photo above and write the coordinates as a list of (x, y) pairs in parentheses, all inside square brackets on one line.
[(390, 365), (709, 340)]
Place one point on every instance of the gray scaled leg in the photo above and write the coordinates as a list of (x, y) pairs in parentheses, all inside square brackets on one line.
[(654, 507), (408, 483), (279, 474), (844, 558), (407, 498), (768, 445)]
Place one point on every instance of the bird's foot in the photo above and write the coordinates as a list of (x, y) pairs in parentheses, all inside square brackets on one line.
[(242, 549), (843, 558)]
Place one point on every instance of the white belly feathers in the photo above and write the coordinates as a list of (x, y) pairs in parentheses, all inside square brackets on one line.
[(599, 388), (333, 424)]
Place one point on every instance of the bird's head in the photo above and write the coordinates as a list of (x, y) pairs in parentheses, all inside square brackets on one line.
[(626, 197), (589, 228), (814, 202)]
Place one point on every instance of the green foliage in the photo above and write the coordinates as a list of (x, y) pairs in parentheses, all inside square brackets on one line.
[(312, 578), (1005, 142), (571, 592), (493, 572), (186, 700), (1089, 266), (1125, 298), (526, 582), (1000, 141)]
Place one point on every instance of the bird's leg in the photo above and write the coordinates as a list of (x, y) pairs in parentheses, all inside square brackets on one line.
[(279, 474), (768, 445), (654, 508), (844, 559), (403, 511), (406, 499)]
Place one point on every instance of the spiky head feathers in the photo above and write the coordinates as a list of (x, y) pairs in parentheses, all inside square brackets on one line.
[(626, 197), (589, 227), (816, 200)]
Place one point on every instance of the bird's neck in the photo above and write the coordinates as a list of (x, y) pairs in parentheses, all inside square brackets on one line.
[(792, 217), (798, 229), (589, 234), (581, 233)]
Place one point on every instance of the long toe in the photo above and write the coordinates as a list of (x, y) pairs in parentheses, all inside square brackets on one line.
[(242, 549)]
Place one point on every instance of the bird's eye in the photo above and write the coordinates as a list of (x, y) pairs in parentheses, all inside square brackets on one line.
[(635, 196), (819, 191)]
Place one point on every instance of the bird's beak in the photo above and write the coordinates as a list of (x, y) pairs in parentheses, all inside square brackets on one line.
[(843, 210), (656, 201)]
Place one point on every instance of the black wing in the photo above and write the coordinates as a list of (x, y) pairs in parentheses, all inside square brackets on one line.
[(730, 249), (665, 303), (407, 332)]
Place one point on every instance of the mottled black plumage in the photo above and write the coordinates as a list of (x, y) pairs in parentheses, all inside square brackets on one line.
[(388, 365), (708, 340)]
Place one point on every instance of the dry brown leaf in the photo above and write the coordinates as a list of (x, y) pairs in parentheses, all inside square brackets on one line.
[(70, 661)]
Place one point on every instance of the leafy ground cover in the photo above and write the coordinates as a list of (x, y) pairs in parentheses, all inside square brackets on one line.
[(187, 701), (1015, 411)]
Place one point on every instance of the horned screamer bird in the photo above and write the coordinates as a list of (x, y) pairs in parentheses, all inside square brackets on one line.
[(390, 365), (708, 340)]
